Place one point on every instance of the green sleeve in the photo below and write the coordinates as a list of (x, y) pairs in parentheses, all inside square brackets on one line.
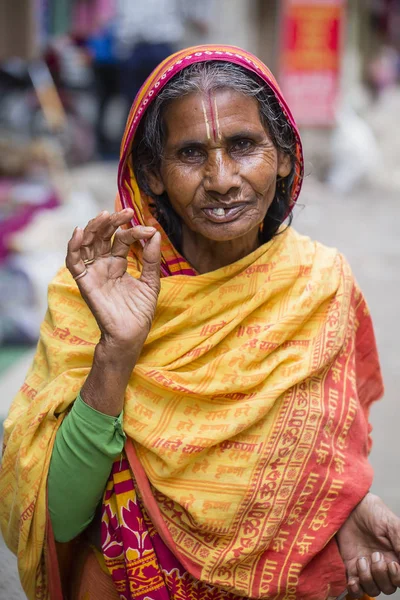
[(85, 447)]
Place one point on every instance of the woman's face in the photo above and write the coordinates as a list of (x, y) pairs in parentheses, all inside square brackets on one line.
[(219, 166)]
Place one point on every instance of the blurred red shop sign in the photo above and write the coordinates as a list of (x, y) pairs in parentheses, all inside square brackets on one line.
[(311, 44)]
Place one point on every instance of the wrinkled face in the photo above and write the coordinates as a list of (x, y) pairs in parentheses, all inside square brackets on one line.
[(219, 166)]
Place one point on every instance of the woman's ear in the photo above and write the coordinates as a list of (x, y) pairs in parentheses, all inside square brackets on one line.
[(155, 183), (284, 164)]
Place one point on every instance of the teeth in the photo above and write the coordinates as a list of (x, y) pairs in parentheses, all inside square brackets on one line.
[(219, 212)]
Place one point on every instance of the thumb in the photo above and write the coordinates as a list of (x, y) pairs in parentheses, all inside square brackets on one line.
[(151, 262)]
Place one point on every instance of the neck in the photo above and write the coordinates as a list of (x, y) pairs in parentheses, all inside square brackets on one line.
[(208, 255)]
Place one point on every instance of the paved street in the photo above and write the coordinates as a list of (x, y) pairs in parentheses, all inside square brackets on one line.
[(365, 226)]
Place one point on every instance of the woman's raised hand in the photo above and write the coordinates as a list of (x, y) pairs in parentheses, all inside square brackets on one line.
[(123, 306)]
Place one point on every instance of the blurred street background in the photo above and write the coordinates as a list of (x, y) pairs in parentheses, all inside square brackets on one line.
[(69, 70)]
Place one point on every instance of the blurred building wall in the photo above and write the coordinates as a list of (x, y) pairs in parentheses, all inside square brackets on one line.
[(17, 29), (357, 48), (255, 26), (267, 20), (234, 23), (231, 22)]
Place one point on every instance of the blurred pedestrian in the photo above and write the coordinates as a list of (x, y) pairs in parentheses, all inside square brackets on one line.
[(149, 31), (105, 70)]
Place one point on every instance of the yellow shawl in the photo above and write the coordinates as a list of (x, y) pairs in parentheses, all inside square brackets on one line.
[(238, 397)]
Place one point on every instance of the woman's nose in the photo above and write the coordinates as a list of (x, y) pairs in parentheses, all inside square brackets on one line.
[(221, 173)]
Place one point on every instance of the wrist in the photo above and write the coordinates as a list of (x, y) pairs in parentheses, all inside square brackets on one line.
[(104, 388), (115, 354)]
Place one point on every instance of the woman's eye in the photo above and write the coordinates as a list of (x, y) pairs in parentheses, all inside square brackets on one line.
[(242, 145), (191, 153)]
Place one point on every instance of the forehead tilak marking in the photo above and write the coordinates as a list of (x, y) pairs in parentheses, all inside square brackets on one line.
[(206, 119), (217, 119), (212, 115)]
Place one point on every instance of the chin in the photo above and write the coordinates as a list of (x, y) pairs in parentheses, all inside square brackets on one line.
[(226, 232)]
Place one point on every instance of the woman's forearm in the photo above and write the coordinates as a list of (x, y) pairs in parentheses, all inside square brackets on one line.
[(85, 447), (88, 440), (105, 386)]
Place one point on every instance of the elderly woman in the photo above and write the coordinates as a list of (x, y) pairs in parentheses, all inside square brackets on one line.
[(195, 422)]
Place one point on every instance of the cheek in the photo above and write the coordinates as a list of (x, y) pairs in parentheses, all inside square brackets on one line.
[(261, 172), (181, 184)]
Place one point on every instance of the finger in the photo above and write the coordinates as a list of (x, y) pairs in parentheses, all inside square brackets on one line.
[(99, 231), (88, 246), (394, 573), (365, 577), (124, 239), (151, 262), (73, 260), (108, 228), (380, 573), (354, 588)]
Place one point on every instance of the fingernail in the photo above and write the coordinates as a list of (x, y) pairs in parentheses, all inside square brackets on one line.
[(352, 582), (362, 563), (148, 228), (376, 557), (393, 568)]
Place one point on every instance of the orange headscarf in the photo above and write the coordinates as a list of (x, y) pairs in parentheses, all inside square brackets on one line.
[(130, 196)]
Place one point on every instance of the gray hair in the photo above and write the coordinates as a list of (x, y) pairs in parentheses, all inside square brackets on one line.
[(204, 78)]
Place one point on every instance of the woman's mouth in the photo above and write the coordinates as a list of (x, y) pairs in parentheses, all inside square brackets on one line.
[(223, 215)]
